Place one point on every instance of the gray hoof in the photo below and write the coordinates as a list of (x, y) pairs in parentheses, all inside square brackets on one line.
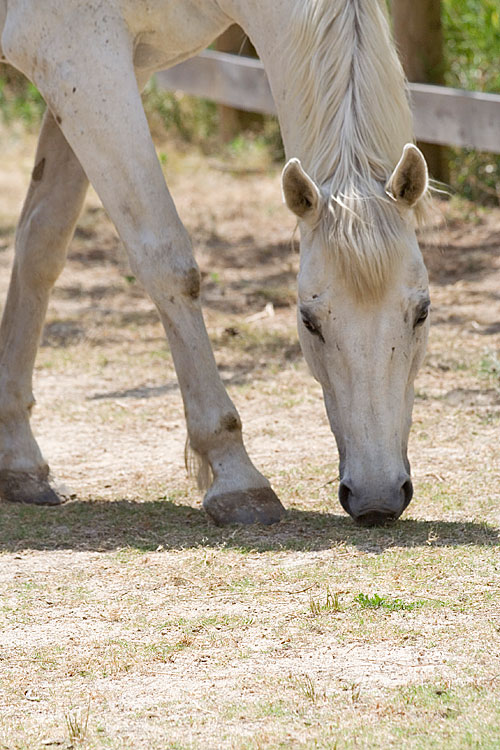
[(32, 488), (246, 506)]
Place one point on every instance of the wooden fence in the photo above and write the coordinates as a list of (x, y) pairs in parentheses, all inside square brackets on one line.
[(450, 117)]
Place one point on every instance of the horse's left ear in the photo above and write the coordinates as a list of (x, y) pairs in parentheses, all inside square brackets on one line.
[(410, 179), (301, 194)]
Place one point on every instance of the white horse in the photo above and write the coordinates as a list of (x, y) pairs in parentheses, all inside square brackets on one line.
[(354, 181)]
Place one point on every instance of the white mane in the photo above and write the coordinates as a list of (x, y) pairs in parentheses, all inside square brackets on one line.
[(354, 121)]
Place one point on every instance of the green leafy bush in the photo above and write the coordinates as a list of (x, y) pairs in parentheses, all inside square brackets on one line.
[(472, 49), (472, 43), (194, 119), (20, 100)]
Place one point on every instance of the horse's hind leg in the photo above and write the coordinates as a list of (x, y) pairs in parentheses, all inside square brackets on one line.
[(47, 222)]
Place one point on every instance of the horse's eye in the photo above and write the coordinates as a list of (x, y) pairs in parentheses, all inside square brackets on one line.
[(312, 325), (309, 325), (421, 316)]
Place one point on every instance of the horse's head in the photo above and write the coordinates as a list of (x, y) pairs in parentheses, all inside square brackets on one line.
[(363, 322)]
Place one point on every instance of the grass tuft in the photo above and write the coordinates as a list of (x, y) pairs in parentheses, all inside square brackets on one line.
[(77, 723), (380, 602), (330, 604)]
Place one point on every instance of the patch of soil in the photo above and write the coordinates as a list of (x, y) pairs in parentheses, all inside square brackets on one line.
[(109, 417)]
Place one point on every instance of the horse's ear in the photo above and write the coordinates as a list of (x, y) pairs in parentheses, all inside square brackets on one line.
[(300, 193), (410, 179)]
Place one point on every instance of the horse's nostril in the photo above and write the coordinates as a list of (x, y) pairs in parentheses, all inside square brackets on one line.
[(407, 490), (345, 494)]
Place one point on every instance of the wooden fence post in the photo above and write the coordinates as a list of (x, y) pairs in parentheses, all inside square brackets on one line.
[(419, 37)]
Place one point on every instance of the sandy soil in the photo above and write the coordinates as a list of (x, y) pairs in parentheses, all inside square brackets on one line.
[(109, 419)]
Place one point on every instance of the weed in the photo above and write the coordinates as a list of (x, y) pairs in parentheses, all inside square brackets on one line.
[(378, 602), (489, 368), (355, 692), (333, 601), (331, 604), (77, 721), (305, 684), (315, 607)]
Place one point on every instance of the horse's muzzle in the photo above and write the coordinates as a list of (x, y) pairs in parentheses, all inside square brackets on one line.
[(378, 510)]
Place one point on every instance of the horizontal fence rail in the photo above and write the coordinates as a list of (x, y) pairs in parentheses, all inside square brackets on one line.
[(450, 117)]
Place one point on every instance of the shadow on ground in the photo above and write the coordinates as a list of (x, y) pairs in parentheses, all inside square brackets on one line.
[(456, 261), (96, 526)]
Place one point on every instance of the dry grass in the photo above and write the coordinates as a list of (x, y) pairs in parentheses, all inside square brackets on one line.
[(128, 621)]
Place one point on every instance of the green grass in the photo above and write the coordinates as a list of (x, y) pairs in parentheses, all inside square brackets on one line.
[(392, 605), (489, 368)]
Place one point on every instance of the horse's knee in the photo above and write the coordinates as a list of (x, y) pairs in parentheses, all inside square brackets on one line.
[(169, 272), (176, 283)]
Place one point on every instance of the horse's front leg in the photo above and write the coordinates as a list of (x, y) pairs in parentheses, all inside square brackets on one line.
[(95, 99), (48, 218)]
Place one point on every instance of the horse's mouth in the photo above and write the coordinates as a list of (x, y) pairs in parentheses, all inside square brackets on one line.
[(376, 518)]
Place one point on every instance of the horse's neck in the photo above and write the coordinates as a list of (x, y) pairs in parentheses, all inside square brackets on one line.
[(335, 76), (267, 24)]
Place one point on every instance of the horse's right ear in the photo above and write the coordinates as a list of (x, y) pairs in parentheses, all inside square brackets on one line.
[(300, 193), (410, 180)]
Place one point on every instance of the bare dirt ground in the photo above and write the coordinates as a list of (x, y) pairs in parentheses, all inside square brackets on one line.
[(128, 621)]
